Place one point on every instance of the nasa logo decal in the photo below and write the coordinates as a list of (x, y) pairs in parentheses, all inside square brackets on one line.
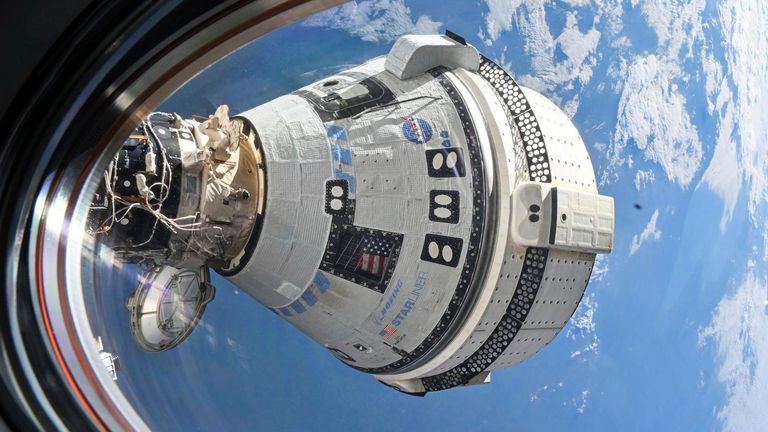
[(416, 130)]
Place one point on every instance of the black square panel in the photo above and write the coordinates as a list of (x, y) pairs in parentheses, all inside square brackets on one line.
[(445, 162), (337, 197), (442, 250), (365, 256), (444, 206)]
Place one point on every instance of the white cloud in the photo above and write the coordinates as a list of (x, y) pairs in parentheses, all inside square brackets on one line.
[(541, 45), (577, 46), (676, 24), (714, 81), (570, 107), (326, 71), (644, 178), (503, 61), (723, 175), (739, 330), (543, 390), (743, 28), (583, 329), (538, 42), (652, 114), (622, 42), (581, 402), (765, 245), (374, 21), (498, 19), (650, 233), (577, 3), (209, 330), (600, 268), (740, 157), (652, 111), (502, 15), (240, 351)]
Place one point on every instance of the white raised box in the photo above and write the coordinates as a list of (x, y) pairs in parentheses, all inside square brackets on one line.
[(562, 218), (413, 55)]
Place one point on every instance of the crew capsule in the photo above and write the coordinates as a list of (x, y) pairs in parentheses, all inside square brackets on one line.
[(422, 216)]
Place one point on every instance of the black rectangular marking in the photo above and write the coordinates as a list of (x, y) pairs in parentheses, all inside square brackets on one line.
[(444, 206), (445, 162), (337, 197), (364, 256), (458, 38), (442, 250), (553, 220)]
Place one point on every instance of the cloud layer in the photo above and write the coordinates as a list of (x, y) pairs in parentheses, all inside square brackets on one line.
[(561, 59), (650, 233), (740, 156), (739, 332), (583, 328), (374, 21), (652, 115)]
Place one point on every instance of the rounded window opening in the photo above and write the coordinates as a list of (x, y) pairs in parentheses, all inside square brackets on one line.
[(325, 186), (300, 200)]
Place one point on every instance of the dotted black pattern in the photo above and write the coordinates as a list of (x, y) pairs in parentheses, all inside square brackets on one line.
[(522, 117), (527, 286), (468, 274), (479, 361)]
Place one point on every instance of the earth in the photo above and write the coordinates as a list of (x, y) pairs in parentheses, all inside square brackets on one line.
[(672, 333)]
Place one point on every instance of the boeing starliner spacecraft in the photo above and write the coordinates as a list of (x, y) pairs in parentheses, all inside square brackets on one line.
[(422, 216)]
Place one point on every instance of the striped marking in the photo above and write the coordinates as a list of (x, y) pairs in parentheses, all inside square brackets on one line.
[(308, 298), (341, 154)]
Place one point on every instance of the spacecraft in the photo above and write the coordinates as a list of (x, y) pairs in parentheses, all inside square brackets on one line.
[(110, 361), (422, 216)]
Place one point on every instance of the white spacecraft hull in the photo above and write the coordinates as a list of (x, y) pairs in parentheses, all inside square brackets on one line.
[(420, 174), (421, 216)]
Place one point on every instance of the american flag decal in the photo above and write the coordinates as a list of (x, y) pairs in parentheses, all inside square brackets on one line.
[(388, 331), (364, 256), (373, 255)]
